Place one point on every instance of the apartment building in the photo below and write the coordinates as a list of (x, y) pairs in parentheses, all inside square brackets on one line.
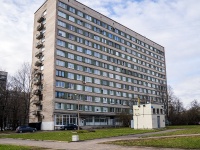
[(88, 68)]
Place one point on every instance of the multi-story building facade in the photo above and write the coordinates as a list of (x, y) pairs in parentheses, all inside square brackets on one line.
[(87, 68), (3, 79)]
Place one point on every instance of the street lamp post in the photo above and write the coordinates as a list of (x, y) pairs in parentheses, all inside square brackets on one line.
[(78, 112)]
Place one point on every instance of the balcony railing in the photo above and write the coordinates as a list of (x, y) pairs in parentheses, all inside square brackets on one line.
[(40, 27), (38, 53), (39, 44), (39, 35), (40, 19), (37, 81), (36, 102), (37, 92), (37, 72), (38, 63)]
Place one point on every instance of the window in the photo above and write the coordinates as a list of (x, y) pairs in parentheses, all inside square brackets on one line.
[(60, 43), (71, 9), (70, 85), (118, 77), (97, 99), (111, 84), (70, 75), (88, 79), (80, 68), (60, 53), (112, 101), (111, 92), (80, 31), (60, 94), (60, 84), (60, 73), (79, 49), (79, 13), (70, 27), (97, 81), (105, 74), (70, 56), (71, 46), (96, 54), (87, 25), (96, 37), (70, 106), (62, 5), (71, 37), (118, 93), (111, 75), (88, 108), (79, 87), (88, 98), (61, 33), (70, 65), (87, 69), (79, 77), (105, 100), (79, 58), (61, 14), (80, 22), (71, 18), (88, 43), (58, 105), (88, 17), (105, 109), (118, 85), (97, 90), (105, 91), (62, 24), (96, 71), (88, 61), (88, 52), (60, 63)]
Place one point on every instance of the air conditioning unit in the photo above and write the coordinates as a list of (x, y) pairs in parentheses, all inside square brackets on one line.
[(84, 82)]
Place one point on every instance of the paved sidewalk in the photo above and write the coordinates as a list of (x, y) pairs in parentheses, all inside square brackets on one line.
[(86, 145)]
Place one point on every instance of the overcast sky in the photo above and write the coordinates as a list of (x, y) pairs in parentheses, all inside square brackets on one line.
[(174, 24)]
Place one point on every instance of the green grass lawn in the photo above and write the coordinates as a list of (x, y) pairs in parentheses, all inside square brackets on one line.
[(175, 142), (190, 129), (14, 147), (188, 142), (83, 134)]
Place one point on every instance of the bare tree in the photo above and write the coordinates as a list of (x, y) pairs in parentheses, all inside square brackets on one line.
[(23, 82)]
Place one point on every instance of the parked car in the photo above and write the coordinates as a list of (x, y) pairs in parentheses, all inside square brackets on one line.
[(69, 127), (22, 129)]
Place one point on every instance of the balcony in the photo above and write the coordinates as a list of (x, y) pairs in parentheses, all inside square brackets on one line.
[(40, 27), (40, 19), (36, 102), (36, 81), (39, 35), (39, 44), (38, 63), (37, 92), (37, 72), (38, 53)]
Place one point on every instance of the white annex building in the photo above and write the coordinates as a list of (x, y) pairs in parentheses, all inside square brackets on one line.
[(148, 116)]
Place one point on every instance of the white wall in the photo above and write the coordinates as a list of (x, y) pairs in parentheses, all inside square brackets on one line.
[(47, 126), (144, 118)]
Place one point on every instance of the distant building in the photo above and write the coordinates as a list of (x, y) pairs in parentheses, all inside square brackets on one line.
[(3, 79), (148, 116), (86, 63)]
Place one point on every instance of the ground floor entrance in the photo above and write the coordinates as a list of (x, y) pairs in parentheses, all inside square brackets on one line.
[(85, 120)]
